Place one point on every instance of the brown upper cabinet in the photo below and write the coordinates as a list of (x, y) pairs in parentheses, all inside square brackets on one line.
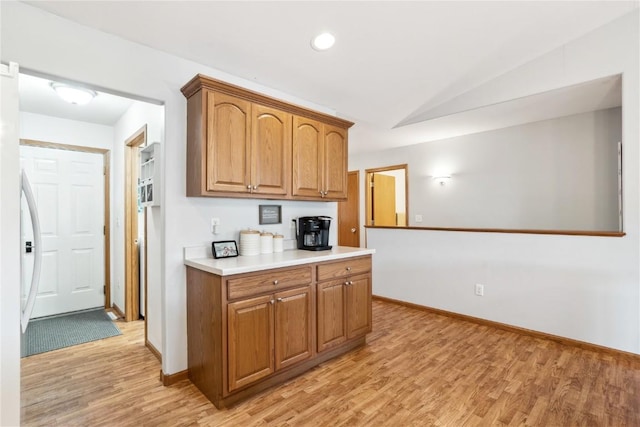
[(320, 160), (244, 144)]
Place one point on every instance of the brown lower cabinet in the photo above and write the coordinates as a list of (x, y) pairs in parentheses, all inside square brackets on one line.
[(251, 331), (268, 333), (344, 310)]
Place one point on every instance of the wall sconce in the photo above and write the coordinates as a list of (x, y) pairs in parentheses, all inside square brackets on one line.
[(442, 179)]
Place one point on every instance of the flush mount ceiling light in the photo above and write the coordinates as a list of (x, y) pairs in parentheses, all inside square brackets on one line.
[(73, 95), (323, 41), (442, 179)]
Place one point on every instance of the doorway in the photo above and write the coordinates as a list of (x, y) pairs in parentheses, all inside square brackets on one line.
[(387, 196), (135, 226), (72, 188), (105, 123)]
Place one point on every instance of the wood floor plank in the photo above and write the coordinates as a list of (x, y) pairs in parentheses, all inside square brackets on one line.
[(418, 368)]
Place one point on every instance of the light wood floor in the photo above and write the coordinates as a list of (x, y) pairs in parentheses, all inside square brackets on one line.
[(418, 369)]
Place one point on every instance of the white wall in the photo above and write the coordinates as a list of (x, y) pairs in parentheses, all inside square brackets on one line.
[(69, 51), (239, 214), (580, 287), (584, 288), (558, 174), (139, 114), (63, 131)]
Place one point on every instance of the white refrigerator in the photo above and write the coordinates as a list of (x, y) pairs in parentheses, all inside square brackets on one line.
[(14, 309), (10, 251)]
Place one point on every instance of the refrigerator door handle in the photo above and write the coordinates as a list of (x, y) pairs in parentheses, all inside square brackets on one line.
[(37, 262)]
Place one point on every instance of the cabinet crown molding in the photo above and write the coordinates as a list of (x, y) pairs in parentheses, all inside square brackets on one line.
[(201, 81)]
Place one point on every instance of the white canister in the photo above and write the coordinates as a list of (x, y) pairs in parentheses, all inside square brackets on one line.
[(249, 242), (278, 243), (266, 243)]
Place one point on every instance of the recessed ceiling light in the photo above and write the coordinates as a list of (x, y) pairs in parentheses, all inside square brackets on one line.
[(323, 41), (73, 95)]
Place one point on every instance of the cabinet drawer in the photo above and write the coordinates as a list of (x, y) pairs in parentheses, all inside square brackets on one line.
[(267, 281), (332, 270)]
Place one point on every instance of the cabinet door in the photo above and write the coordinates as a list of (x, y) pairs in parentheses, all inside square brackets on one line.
[(335, 162), (307, 157), (250, 334), (293, 326), (331, 314), (358, 306), (270, 151), (228, 143)]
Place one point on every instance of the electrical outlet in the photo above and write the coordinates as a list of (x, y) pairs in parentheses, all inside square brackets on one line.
[(479, 290), (418, 218)]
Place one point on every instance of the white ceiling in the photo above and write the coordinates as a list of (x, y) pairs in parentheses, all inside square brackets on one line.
[(37, 96), (391, 61)]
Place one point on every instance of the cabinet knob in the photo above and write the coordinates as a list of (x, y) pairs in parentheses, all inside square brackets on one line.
[(249, 187), (321, 193), (348, 268), (325, 193), (348, 283), (272, 302), (275, 282), (255, 187), (353, 230), (279, 299)]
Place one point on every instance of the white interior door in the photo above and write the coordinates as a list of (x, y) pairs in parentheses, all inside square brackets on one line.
[(69, 190)]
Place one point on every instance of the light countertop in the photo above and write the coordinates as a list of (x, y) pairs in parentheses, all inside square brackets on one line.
[(199, 257)]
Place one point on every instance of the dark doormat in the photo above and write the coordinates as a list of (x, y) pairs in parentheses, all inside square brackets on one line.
[(57, 332)]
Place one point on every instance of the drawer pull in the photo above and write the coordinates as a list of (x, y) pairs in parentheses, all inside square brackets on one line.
[(348, 268), (279, 299), (275, 282)]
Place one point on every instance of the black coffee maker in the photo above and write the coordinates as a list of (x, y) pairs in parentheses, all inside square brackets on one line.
[(313, 233)]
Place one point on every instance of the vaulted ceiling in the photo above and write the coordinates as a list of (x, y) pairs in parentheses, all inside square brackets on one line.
[(394, 63)]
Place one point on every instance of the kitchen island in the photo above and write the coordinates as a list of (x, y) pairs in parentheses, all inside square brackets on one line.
[(256, 321)]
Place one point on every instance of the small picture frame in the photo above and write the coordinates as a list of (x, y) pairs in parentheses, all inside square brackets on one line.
[(150, 192), (224, 249), (270, 214)]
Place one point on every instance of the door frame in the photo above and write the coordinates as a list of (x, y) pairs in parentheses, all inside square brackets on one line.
[(131, 264), (106, 158), (367, 193)]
